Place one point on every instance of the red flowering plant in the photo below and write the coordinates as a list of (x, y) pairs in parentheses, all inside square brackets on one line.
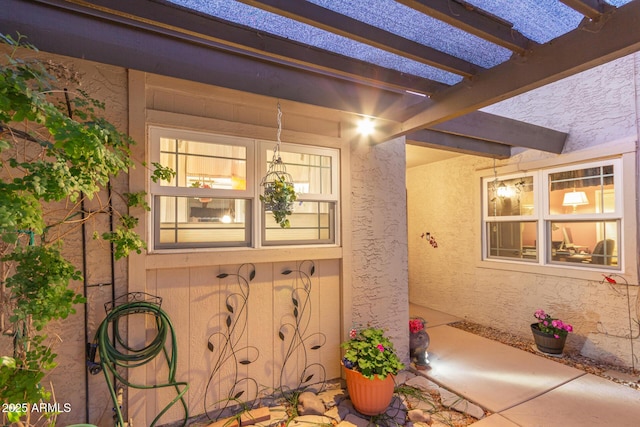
[(552, 326), (415, 325), (371, 353)]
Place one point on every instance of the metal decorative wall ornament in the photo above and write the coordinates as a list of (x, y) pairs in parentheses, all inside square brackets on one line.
[(279, 193), (297, 373), (297, 339), (230, 351)]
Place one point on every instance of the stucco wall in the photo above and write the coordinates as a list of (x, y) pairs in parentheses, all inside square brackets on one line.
[(596, 108), (379, 239)]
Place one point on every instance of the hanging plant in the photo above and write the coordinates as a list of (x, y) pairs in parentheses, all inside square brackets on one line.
[(278, 198), (279, 193)]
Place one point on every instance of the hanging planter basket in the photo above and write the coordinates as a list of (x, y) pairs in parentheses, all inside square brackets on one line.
[(278, 192)]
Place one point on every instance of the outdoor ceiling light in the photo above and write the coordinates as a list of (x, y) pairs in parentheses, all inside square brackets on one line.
[(575, 198), (366, 126)]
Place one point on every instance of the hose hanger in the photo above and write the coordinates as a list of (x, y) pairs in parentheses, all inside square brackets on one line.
[(123, 355)]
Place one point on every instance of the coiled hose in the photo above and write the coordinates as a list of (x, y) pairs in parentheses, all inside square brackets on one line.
[(111, 357)]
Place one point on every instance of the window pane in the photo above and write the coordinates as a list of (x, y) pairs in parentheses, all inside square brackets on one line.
[(585, 191), (585, 242), (204, 165), (193, 222), (510, 197), (311, 173), (311, 222), (515, 239)]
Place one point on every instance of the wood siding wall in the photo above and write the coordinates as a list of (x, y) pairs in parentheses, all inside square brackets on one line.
[(234, 338)]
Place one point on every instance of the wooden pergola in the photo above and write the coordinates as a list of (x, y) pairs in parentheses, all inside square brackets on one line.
[(162, 37)]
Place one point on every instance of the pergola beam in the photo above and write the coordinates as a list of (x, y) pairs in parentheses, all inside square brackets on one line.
[(592, 9), (165, 17), (345, 26), (474, 21), (567, 55), (503, 130), (458, 144), (66, 29)]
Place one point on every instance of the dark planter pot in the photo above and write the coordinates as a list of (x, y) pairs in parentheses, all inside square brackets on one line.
[(547, 343)]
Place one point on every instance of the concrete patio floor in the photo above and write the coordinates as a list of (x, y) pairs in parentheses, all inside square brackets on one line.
[(520, 388)]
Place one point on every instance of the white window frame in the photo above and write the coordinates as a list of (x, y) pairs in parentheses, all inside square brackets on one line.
[(257, 162), (544, 218), (487, 218)]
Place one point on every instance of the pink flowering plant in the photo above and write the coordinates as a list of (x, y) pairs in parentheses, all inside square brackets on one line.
[(371, 353), (552, 326)]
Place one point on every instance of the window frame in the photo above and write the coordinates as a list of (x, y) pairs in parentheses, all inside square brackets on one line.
[(256, 167), (544, 218), (331, 197), (487, 218)]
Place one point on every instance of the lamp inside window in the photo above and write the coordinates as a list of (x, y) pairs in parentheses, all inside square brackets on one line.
[(575, 198)]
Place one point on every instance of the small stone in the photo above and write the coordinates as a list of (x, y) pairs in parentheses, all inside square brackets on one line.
[(332, 397), (255, 416), (345, 408), (397, 411), (278, 415), (307, 420), (419, 416), (422, 383), (333, 413), (403, 377), (357, 421), (426, 404), (460, 404), (310, 404), (345, 424)]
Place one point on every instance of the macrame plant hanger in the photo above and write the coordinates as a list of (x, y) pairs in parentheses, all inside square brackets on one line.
[(278, 194)]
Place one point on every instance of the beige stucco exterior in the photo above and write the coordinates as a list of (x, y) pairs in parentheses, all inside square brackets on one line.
[(598, 109)]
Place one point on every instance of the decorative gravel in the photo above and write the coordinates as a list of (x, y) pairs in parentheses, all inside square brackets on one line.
[(619, 374)]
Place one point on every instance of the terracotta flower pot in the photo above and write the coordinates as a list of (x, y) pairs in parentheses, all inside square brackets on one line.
[(369, 397), (547, 343)]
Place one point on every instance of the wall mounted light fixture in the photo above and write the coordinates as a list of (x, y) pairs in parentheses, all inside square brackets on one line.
[(366, 126)]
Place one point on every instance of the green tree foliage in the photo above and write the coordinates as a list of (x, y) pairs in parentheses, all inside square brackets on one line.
[(55, 150)]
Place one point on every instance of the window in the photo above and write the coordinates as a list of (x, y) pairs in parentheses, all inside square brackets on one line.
[(213, 201), (511, 226), (314, 174), (563, 216), (584, 214)]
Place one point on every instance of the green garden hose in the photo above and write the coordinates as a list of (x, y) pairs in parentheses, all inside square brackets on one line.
[(111, 357)]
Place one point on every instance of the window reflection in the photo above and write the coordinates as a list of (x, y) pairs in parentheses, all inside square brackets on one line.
[(510, 197), (515, 239), (202, 221)]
